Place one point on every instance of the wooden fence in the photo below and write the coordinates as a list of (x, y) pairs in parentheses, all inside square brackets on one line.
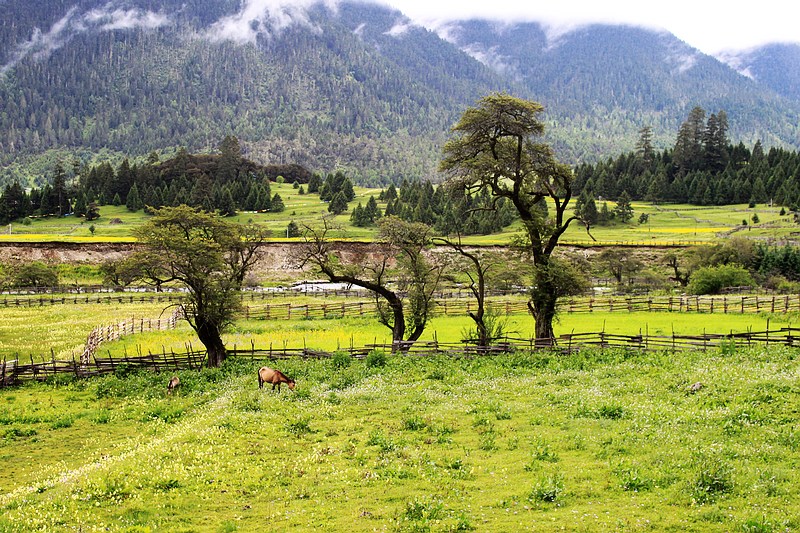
[(454, 307), (31, 298), (14, 372), (131, 326)]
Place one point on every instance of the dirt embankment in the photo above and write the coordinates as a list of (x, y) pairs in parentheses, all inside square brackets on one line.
[(281, 258), (62, 252), (277, 258)]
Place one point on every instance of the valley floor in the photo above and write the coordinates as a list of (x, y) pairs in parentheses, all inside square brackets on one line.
[(594, 441)]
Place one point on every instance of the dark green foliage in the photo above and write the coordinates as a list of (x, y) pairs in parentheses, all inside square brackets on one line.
[(341, 360), (134, 201), (35, 274), (449, 211), (92, 211), (375, 358), (623, 210), (292, 230), (276, 204), (711, 280), (366, 216), (702, 168), (335, 184), (783, 261), (225, 183), (338, 203)]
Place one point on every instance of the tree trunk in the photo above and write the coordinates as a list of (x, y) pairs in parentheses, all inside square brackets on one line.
[(543, 309), (210, 336)]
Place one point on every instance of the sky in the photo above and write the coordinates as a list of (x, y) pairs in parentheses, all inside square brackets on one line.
[(710, 26)]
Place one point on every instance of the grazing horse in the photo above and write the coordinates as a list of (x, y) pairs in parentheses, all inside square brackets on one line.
[(173, 384), (276, 377)]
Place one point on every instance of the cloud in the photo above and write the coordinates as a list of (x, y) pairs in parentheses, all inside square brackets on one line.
[(124, 19), (264, 17), (399, 29), (42, 44)]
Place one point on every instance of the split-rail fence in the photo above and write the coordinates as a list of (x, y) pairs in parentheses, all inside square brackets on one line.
[(14, 372)]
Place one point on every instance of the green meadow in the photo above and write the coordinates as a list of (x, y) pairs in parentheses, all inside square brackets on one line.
[(596, 441), (61, 330), (667, 223), (611, 440)]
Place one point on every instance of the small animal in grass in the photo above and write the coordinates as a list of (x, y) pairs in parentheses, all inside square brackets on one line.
[(173, 384), (276, 377), (695, 387)]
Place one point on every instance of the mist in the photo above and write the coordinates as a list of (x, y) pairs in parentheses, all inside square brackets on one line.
[(43, 43), (264, 17)]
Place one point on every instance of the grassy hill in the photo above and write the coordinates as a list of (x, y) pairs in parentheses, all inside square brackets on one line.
[(667, 224)]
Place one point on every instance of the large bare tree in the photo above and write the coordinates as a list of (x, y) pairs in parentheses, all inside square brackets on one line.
[(396, 270), (493, 147)]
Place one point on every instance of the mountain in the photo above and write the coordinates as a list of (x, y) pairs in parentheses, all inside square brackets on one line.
[(603, 83), (349, 86), (356, 88), (774, 66)]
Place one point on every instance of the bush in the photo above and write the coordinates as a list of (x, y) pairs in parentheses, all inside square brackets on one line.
[(375, 358), (340, 360), (711, 280), (548, 489), (35, 274), (713, 478)]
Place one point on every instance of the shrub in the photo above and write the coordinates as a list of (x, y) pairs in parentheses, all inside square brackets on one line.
[(340, 360), (711, 280), (375, 358), (631, 479), (63, 422), (414, 423), (299, 427), (714, 478), (35, 274), (423, 510), (548, 489)]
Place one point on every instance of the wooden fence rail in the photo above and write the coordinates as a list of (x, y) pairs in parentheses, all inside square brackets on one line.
[(131, 326), (453, 307), (14, 372)]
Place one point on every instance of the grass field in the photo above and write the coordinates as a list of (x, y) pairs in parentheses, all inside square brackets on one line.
[(606, 441), (668, 224), (63, 329)]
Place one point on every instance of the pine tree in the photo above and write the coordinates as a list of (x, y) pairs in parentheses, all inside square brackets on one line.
[(623, 211), (229, 160), (338, 204), (92, 211), (59, 202), (227, 207), (134, 200), (277, 204), (80, 205), (357, 217), (372, 212), (292, 230)]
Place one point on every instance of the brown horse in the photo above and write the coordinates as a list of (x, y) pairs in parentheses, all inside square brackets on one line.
[(276, 377), (173, 384)]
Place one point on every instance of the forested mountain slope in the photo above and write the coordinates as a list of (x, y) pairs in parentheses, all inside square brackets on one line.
[(604, 83), (353, 87), (776, 66), (326, 89)]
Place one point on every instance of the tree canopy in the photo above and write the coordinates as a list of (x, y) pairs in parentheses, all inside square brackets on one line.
[(494, 148), (206, 255)]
